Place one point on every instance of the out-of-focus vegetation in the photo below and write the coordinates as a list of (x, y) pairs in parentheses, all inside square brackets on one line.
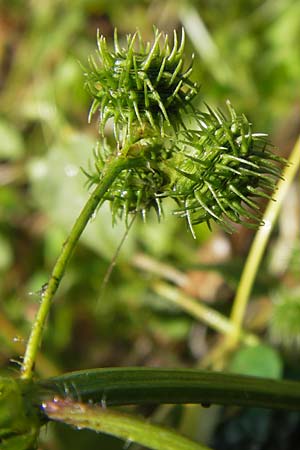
[(247, 51)]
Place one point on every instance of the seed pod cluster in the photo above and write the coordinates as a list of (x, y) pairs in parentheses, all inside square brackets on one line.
[(216, 169)]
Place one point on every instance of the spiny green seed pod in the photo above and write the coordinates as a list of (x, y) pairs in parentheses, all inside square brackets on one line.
[(137, 189), (221, 170), (140, 84)]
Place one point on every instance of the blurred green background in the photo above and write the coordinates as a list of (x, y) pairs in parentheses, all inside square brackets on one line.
[(247, 51)]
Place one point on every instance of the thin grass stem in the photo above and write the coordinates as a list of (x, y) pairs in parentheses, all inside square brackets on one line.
[(203, 313), (259, 245)]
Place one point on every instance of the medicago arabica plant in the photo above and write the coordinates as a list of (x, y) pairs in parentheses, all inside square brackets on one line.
[(215, 168)]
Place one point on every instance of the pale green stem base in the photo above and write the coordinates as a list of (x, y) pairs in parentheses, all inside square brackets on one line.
[(112, 171), (259, 245), (124, 426)]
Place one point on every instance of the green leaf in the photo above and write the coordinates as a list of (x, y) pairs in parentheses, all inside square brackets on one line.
[(6, 255), (11, 143), (260, 361), (284, 326), (19, 420), (144, 385)]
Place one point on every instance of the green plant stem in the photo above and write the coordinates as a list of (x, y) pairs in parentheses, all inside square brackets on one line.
[(124, 426), (207, 315), (142, 385), (258, 246), (14, 341), (163, 271), (112, 171)]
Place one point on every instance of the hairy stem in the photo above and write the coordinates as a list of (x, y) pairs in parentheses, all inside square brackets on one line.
[(112, 171), (258, 246)]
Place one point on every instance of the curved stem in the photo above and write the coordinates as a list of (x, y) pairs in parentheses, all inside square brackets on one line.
[(112, 171), (123, 426), (259, 244)]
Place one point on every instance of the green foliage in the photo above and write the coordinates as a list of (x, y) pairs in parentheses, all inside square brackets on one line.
[(19, 421), (245, 51), (259, 360), (12, 146), (284, 324)]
